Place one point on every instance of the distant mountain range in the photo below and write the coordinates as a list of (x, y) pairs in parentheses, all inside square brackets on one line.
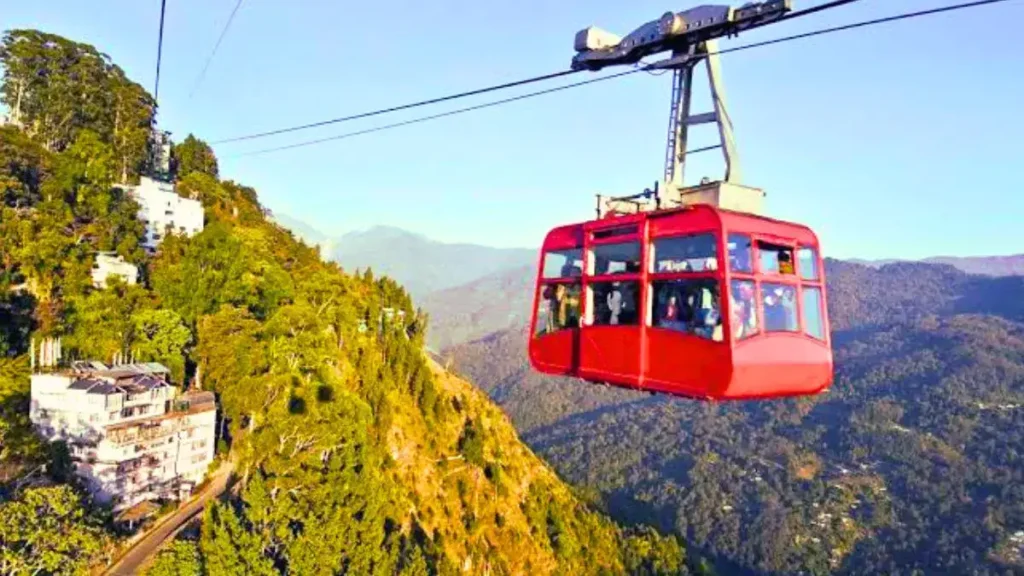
[(421, 265), (987, 265)]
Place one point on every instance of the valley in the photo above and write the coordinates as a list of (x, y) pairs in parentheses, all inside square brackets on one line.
[(910, 462)]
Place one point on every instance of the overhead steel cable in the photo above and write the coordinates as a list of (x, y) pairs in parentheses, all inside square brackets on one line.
[(820, 32), (159, 50), (403, 106), (864, 23), (444, 114), (827, 5), (209, 59), (815, 9)]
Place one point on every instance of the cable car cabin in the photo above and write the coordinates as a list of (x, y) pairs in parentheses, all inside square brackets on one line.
[(697, 302)]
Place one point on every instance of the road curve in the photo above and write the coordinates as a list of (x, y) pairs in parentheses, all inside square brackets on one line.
[(151, 543)]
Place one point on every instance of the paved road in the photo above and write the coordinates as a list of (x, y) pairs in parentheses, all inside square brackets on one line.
[(144, 549)]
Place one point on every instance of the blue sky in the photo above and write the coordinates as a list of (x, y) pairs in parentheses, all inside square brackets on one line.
[(901, 140)]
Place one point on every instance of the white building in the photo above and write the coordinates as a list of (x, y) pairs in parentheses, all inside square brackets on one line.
[(132, 436), (163, 211), (107, 265)]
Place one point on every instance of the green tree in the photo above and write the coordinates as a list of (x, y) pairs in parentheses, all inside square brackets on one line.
[(20, 448), (229, 547), (194, 155), (161, 336), (105, 322), (47, 531), (55, 87), (24, 166), (181, 558)]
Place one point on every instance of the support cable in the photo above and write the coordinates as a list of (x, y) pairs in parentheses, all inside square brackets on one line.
[(820, 32)]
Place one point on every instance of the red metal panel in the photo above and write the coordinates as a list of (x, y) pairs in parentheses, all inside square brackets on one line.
[(686, 364), (692, 220), (769, 227), (777, 365), (554, 353), (563, 237), (610, 354)]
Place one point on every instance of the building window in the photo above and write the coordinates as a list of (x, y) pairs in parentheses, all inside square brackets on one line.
[(563, 263), (780, 313), (691, 306), (744, 309), (620, 258), (697, 253), (814, 324), (740, 254), (558, 308), (808, 262), (775, 259), (614, 303)]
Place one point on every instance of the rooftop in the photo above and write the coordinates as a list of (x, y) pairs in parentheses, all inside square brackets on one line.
[(97, 378)]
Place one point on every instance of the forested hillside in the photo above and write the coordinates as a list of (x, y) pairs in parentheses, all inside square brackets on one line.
[(1010, 265), (911, 463), (354, 454)]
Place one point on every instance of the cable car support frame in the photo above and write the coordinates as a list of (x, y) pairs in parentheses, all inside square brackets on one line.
[(691, 37)]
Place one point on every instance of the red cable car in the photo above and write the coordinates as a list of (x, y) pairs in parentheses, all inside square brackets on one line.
[(696, 294), (697, 301)]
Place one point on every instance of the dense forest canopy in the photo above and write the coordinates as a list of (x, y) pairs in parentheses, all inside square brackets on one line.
[(913, 463), (354, 454)]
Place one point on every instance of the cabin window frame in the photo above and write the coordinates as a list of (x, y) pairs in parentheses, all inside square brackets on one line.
[(794, 281), (619, 234), (549, 252), (817, 283), (652, 258), (751, 258), (821, 312), (544, 282), (541, 302), (716, 275)]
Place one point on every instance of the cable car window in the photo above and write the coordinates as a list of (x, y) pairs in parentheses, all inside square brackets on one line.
[(690, 306), (612, 232), (779, 307), (558, 308), (775, 259), (696, 253), (621, 258), (808, 258), (615, 303), (743, 308), (563, 263), (740, 258), (814, 325)]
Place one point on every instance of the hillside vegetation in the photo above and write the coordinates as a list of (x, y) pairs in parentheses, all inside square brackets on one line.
[(911, 464), (355, 455)]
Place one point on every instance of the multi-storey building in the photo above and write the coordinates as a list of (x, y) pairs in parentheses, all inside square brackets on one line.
[(163, 211), (132, 436)]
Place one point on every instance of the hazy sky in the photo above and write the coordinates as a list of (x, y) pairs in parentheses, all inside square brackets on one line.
[(901, 140)]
